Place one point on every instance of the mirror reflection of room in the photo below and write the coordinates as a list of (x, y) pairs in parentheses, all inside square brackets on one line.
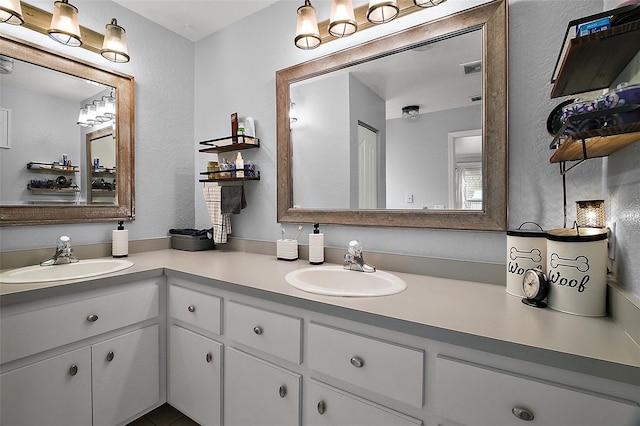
[(385, 131), (51, 115)]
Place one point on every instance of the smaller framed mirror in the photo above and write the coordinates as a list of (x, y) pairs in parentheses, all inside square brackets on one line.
[(60, 134)]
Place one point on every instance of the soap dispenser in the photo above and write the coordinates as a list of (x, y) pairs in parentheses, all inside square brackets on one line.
[(120, 241), (316, 246)]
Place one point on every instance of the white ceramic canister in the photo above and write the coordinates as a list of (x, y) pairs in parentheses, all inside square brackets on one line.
[(577, 271), (526, 249)]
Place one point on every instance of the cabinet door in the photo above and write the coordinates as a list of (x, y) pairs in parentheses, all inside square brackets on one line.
[(195, 372), (126, 376), (327, 406), (258, 393), (56, 391)]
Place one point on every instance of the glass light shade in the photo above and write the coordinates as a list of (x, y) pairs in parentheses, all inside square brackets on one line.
[(427, 3), (342, 22), (382, 11), (590, 213), (11, 12), (109, 106), (410, 111), (64, 26), (82, 118), (101, 107), (91, 114), (114, 47), (307, 34)]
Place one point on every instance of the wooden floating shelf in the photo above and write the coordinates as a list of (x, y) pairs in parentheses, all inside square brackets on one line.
[(229, 179), (55, 191), (47, 167), (594, 145)]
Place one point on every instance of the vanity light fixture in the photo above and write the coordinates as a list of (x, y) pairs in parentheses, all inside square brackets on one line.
[(64, 26), (99, 111), (307, 34), (345, 20), (65, 29), (114, 47), (342, 22), (11, 12), (590, 214), (382, 11), (427, 3)]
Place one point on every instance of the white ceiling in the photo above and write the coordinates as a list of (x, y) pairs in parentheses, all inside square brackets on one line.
[(195, 20)]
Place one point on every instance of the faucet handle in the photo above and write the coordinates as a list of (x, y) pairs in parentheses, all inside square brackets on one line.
[(63, 242), (355, 248)]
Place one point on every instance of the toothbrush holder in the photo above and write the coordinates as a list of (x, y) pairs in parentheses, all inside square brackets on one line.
[(287, 249)]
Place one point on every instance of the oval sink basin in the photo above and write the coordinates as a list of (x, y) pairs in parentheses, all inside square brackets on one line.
[(68, 271), (336, 281)]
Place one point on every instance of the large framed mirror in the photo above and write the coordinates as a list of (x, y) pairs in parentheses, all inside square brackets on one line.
[(47, 169), (409, 130)]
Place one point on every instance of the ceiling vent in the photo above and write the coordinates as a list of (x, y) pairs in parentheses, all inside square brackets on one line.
[(471, 67)]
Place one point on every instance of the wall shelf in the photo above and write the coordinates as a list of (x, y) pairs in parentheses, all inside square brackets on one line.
[(593, 61), (54, 191), (35, 166), (229, 143)]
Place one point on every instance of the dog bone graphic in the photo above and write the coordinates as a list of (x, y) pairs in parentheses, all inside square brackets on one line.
[(534, 254), (581, 263)]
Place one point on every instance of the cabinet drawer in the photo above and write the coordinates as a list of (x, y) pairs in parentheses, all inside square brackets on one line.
[(266, 331), (327, 406), (386, 368), (31, 332), (474, 395), (198, 309)]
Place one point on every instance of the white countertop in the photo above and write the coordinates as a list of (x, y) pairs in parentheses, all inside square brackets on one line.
[(436, 305)]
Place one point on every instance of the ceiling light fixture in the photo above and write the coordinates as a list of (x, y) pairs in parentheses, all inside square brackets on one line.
[(11, 12), (410, 111), (64, 26), (307, 34), (382, 11), (342, 22)]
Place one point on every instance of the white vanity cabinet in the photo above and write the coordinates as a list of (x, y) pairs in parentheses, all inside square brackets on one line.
[(56, 391), (259, 393), (473, 394), (195, 361), (325, 405), (91, 358)]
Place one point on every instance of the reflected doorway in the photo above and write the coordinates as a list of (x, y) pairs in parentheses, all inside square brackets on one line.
[(465, 170), (101, 166), (367, 167)]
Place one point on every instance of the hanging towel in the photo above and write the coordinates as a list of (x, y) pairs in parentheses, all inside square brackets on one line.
[(221, 223), (232, 199)]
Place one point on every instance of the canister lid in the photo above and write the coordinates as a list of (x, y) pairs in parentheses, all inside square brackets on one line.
[(575, 235)]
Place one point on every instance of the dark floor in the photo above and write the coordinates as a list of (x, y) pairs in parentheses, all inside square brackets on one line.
[(165, 415)]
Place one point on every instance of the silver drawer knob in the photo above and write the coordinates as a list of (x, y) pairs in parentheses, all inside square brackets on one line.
[(357, 362), (73, 370), (191, 308), (92, 318), (209, 357), (282, 391), (321, 407), (522, 414), (257, 330), (110, 356)]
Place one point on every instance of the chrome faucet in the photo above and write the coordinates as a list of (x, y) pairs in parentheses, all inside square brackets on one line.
[(354, 261), (63, 254)]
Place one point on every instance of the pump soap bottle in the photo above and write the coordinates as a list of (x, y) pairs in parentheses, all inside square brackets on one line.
[(120, 241), (239, 166), (316, 246)]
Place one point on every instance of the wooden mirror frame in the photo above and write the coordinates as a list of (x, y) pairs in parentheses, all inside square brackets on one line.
[(125, 155), (491, 19)]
